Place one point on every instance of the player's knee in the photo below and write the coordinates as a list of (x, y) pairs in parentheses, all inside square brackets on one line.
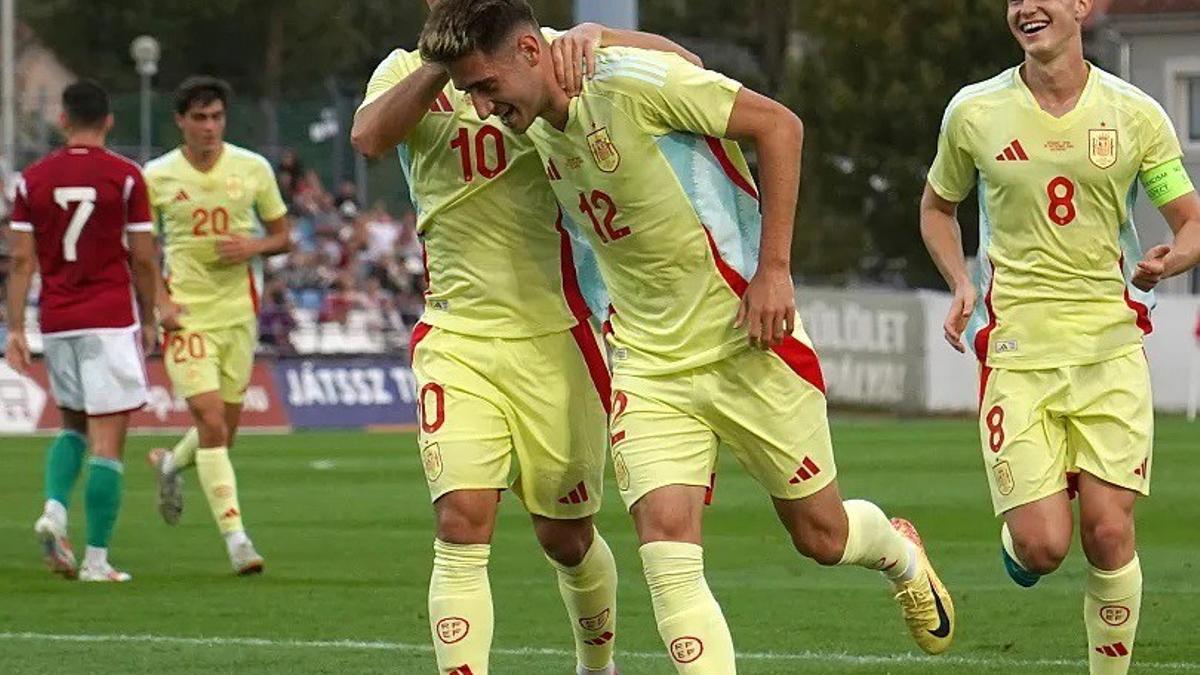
[(75, 420), (1041, 555), (822, 546), (1107, 539), (463, 526), (567, 551), (212, 429)]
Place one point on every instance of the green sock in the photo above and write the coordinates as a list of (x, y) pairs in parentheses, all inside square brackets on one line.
[(105, 477), (64, 459)]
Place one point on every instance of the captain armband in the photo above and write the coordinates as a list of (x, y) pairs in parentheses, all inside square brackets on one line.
[(1167, 182)]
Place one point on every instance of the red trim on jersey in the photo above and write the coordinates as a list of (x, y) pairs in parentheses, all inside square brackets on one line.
[(570, 282), (729, 168), (594, 358), (798, 356), (1141, 312), (982, 337), (711, 490), (607, 328), (253, 290), (419, 332), (1016, 145), (425, 264), (985, 374)]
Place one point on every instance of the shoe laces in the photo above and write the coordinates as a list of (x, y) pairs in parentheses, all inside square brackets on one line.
[(916, 599)]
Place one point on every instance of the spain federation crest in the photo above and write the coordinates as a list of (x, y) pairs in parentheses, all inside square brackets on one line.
[(234, 187), (603, 150), (1004, 477), (431, 460), (1102, 147)]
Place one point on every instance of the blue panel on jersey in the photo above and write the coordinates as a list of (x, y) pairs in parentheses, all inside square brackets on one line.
[(406, 167), (1131, 251), (731, 215), (983, 272), (587, 270)]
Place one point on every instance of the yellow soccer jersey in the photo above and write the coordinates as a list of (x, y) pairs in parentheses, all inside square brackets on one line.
[(194, 211), (1057, 242), (671, 211), (498, 262)]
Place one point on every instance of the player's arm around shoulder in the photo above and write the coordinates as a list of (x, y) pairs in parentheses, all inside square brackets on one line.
[(397, 98), (574, 52)]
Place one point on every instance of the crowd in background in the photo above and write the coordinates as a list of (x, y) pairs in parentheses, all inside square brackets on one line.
[(354, 280)]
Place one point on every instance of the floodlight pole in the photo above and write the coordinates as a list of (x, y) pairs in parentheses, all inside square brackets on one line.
[(612, 13), (145, 52), (8, 114)]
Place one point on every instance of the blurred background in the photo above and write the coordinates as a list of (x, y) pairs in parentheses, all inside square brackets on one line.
[(870, 78)]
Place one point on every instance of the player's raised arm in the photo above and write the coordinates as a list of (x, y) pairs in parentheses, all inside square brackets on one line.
[(574, 52), (20, 273), (769, 305), (943, 238), (396, 101)]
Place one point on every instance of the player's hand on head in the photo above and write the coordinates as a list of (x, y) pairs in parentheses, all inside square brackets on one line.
[(768, 308), (1151, 268), (961, 309), (16, 352), (574, 54), (236, 249)]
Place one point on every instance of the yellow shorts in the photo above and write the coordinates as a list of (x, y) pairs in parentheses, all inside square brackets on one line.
[(767, 406), (541, 401), (220, 360), (1037, 426)]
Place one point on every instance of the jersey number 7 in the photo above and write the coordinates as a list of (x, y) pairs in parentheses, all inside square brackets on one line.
[(86, 198)]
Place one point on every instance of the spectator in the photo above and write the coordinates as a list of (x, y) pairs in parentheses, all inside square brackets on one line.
[(276, 321)]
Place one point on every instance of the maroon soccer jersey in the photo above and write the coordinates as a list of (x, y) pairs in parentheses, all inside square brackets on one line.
[(79, 202)]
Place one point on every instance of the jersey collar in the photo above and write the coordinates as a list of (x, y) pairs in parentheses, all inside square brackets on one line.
[(1067, 119)]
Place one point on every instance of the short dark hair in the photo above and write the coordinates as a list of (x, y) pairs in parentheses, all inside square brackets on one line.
[(201, 90), (459, 27), (86, 104)]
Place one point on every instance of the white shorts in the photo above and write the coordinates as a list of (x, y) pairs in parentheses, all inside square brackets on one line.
[(98, 373)]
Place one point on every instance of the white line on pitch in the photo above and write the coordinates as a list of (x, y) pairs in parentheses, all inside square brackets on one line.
[(828, 657)]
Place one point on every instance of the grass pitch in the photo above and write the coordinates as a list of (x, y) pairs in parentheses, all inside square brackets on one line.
[(344, 523)]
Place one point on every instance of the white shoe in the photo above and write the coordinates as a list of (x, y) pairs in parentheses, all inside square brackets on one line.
[(170, 487), (245, 559), (56, 547), (610, 669), (102, 572)]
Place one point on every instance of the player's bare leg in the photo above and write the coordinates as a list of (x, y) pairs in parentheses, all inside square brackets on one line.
[(106, 471), (219, 482), (1113, 598), (1036, 537), (669, 523), (857, 532), (64, 461), (461, 616), (587, 579)]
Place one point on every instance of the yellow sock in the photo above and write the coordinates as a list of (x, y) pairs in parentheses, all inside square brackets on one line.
[(872, 542), (460, 608), (220, 487), (689, 619), (1111, 608), (183, 454), (589, 590)]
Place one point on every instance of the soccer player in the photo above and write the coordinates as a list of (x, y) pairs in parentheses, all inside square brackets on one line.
[(74, 212), (1057, 147), (209, 197), (510, 369), (699, 352)]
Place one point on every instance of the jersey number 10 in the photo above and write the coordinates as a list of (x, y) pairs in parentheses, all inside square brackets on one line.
[(462, 143)]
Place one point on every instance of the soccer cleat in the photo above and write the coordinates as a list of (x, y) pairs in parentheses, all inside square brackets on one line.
[(245, 559), (1021, 576), (170, 487), (56, 547), (103, 572), (927, 606)]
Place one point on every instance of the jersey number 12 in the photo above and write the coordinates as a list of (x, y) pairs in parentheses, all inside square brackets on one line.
[(86, 198)]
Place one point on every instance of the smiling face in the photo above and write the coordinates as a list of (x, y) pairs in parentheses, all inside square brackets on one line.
[(508, 84), (1046, 28)]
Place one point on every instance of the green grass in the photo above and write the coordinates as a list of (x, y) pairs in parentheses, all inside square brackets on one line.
[(348, 557)]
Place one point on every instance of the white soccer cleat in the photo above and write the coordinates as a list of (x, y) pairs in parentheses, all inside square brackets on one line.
[(103, 572), (56, 547), (245, 559), (170, 486)]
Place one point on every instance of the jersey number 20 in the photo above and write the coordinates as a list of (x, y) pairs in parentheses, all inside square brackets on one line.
[(86, 198)]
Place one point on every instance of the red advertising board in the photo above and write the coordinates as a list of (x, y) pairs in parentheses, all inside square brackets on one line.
[(32, 400)]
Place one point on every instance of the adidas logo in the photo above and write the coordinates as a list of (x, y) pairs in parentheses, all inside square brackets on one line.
[(182, 196), (604, 638), (1115, 650), (441, 104), (577, 496), (231, 513), (1013, 153), (462, 670), (1140, 472), (807, 470)]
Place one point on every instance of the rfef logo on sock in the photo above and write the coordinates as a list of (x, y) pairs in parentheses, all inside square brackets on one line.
[(595, 623), (686, 649), (1114, 615), (453, 629)]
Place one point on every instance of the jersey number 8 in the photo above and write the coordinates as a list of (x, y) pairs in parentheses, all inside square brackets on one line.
[(1062, 201)]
